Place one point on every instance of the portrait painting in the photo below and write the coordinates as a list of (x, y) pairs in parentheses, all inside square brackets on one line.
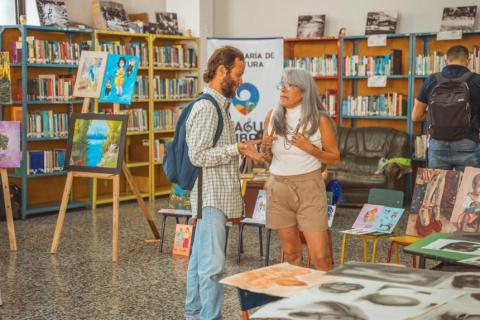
[(119, 80)]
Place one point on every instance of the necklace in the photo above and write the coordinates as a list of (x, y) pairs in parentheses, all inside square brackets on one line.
[(287, 143)]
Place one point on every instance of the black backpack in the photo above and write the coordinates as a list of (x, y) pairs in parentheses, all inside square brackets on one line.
[(449, 114)]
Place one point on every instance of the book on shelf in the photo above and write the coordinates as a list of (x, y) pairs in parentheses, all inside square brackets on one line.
[(420, 147), (141, 87), (139, 49), (137, 119), (47, 124), (45, 161), (435, 62), (167, 88), (322, 66), (158, 149), (165, 119), (48, 87), (389, 104), (49, 52), (330, 102), (175, 56), (390, 64)]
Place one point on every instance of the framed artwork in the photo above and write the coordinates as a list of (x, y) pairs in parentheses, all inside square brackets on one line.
[(52, 13), (466, 211), (167, 22), (183, 240), (90, 74), (114, 15), (5, 79), (380, 22), (311, 26), (96, 143), (119, 80), (10, 144), (458, 18)]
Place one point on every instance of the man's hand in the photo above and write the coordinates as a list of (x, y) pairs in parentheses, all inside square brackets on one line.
[(249, 150)]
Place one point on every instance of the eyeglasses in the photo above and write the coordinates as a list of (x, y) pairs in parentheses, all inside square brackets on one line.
[(287, 87)]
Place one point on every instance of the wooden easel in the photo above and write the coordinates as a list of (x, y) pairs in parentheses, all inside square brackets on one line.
[(116, 198), (8, 209)]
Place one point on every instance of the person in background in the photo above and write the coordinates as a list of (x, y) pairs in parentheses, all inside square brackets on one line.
[(222, 199), (450, 152), (299, 139)]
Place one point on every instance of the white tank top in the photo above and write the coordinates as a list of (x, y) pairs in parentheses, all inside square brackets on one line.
[(289, 160)]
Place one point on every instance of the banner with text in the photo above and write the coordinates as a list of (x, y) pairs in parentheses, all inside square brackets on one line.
[(257, 94)]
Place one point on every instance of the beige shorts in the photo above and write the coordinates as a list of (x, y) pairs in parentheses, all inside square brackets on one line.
[(297, 201)]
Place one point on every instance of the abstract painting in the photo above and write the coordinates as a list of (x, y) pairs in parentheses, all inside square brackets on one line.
[(433, 200), (52, 13), (466, 212), (96, 143), (10, 144), (90, 74), (119, 80), (5, 79)]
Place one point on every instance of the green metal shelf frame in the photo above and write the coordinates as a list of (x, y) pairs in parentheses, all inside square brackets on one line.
[(24, 65)]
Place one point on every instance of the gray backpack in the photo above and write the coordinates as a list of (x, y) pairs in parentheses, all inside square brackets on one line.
[(449, 113)]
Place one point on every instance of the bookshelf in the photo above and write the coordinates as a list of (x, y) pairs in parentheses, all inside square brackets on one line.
[(166, 80), (319, 56), (43, 74)]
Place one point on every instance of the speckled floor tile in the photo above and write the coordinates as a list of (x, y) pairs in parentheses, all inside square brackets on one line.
[(81, 282)]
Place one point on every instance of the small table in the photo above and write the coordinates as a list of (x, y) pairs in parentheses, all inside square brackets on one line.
[(418, 249)]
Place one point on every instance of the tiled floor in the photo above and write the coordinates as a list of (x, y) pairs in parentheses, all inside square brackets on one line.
[(81, 282)]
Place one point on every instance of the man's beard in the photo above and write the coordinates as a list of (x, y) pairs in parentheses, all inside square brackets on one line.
[(228, 86)]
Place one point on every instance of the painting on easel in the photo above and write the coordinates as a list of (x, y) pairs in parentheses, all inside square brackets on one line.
[(119, 81), (5, 80), (10, 144), (90, 74), (96, 143)]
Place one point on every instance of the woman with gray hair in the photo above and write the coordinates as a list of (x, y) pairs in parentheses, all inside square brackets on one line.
[(299, 139)]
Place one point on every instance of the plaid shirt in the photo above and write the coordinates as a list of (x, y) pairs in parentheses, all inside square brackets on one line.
[(221, 180)]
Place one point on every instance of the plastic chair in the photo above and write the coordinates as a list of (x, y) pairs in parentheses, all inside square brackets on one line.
[(384, 197)]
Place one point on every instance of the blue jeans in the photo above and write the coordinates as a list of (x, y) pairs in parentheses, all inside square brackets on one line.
[(205, 268), (453, 154)]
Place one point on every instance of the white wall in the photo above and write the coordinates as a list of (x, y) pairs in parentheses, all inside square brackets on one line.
[(263, 18)]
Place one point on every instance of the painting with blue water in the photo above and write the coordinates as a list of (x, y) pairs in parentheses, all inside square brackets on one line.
[(96, 143), (119, 80)]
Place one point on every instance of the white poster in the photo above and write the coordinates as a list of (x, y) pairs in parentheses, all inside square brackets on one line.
[(257, 94)]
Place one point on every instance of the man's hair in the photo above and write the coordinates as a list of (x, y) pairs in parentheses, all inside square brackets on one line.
[(222, 56), (457, 53)]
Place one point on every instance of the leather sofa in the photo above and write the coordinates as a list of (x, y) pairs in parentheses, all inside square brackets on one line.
[(360, 152)]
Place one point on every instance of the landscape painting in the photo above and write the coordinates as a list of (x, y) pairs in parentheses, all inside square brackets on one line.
[(5, 79), (119, 80), (96, 143), (90, 74), (10, 144)]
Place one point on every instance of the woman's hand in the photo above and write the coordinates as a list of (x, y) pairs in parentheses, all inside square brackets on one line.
[(267, 141), (301, 142)]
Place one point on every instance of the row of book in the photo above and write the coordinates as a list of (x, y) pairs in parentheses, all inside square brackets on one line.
[(164, 88), (389, 104), (137, 119), (378, 65), (329, 101), (47, 124), (425, 65), (158, 150), (45, 161), (177, 56), (420, 147), (139, 49), (318, 66), (49, 52), (165, 119), (141, 87), (48, 87)]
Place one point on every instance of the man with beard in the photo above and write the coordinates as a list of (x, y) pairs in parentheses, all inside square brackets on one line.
[(221, 200)]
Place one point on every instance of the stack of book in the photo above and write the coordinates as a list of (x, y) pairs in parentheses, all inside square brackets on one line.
[(48, 87), (139, 49), (49, 52), (165, 119), (137, 119), (318, 66), (175, 56), (40, 162), (389, 104), (165, 88), (374, 66), (47, 124), (158, 150), (141, 88), (420, 147), (330, 102)]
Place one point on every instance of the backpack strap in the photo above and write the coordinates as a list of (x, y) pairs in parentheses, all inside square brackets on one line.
[(218, 132)]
